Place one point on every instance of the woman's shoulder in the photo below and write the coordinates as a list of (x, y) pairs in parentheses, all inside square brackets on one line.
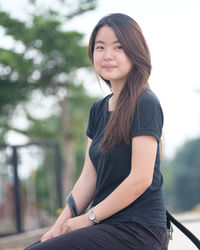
[(148, 96), (101, 103)]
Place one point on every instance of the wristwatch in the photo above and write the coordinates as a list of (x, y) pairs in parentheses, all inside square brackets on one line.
[(92, 216)]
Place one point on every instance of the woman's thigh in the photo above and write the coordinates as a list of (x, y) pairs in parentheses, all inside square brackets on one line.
[(141, 237), (104, 236)]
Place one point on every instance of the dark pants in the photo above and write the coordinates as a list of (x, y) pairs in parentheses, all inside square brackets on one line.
[(107, 236)]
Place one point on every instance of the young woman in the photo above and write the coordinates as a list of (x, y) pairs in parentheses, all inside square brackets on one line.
[(121, 175)]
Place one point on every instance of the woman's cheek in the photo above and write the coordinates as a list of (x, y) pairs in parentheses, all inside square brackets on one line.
[(96, 66)]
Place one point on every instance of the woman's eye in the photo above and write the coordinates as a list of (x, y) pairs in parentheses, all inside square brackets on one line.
[(99, 47), (118, 47)]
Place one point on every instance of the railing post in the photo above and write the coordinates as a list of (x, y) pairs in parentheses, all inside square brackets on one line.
[(58, 169), (17, 191)]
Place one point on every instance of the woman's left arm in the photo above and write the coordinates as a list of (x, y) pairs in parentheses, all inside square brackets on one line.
[(144, 150)]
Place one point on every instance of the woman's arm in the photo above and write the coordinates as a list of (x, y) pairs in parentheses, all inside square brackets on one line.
[(84, 189), (144, 150), (82, 192)]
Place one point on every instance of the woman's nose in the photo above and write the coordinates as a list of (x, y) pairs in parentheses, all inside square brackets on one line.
[(108, 54)]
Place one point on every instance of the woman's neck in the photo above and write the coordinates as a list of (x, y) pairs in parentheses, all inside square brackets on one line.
[(114, 98), (116, 90)]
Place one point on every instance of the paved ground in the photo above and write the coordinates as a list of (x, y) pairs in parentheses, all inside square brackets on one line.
[(179, 242), (19, 241)]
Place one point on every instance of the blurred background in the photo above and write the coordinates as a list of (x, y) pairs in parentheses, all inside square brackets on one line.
[(47, 87)]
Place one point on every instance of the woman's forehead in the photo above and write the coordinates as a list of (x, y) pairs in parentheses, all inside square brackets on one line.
[(106, 35)]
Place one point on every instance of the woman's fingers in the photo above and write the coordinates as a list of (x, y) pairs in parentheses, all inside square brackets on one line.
[(45, 237), (52, 233)]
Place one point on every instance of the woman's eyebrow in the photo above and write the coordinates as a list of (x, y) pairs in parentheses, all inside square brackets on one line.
[(101, 42), (116, 42)]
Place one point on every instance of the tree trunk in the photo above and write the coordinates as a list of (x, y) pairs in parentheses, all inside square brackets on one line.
[(68, 170)]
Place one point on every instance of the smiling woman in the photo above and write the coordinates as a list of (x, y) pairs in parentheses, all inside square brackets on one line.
[(110, 60), (121, 176)]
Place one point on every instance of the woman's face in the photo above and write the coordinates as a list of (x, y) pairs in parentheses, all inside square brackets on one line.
[(110, 60)]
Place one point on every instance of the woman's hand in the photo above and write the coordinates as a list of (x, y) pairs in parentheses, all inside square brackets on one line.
[(68, 226), (76, 223), (52, 233)]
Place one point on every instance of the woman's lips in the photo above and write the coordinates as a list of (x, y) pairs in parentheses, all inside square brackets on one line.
[(108, 66)]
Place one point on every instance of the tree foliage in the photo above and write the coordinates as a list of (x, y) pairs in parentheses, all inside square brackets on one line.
[(49, 55), (183, 177), (187, 172), (45, 57)]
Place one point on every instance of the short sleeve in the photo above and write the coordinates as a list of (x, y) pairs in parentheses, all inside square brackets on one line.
[(148, 118), (90, 127)]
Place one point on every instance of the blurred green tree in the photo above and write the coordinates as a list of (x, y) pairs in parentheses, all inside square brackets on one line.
[(187, 173), (181, 175), (48, 61)]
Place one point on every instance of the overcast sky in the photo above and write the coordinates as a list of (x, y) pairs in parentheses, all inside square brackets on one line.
[(172, 31)]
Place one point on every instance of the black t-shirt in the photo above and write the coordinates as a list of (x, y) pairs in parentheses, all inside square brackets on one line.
[(112, 168)]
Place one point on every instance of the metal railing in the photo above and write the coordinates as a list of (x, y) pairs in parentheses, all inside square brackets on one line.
[(20, 195)]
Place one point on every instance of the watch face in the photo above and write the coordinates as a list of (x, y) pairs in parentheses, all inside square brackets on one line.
[(92, 216)]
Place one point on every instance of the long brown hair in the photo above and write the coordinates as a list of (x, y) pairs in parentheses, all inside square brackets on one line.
[(133, 42)]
